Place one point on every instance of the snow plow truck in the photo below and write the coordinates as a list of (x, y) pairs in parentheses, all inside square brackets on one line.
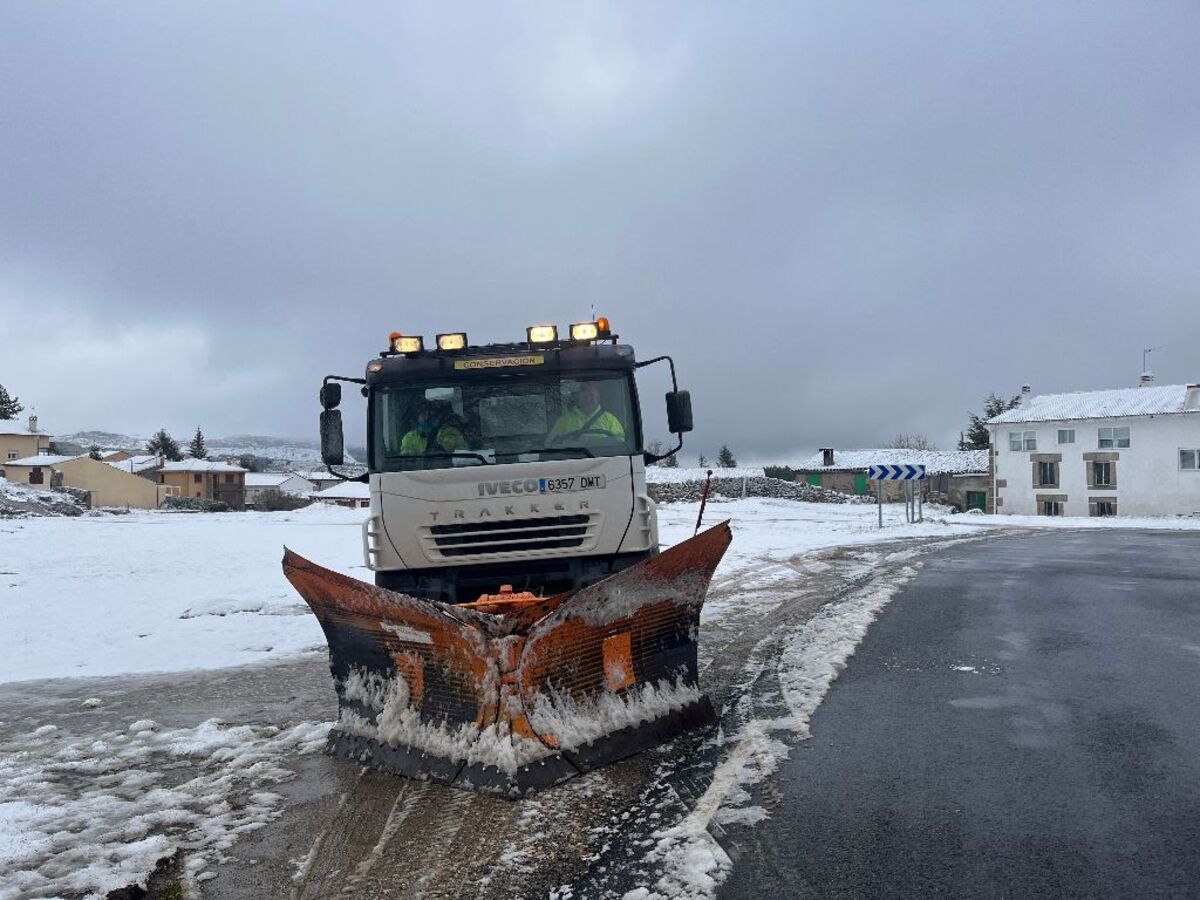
[(523, 626)]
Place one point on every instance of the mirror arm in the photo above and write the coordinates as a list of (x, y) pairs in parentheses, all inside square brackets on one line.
[(655, 457), (658, 359), (646, 454), (364, 477)]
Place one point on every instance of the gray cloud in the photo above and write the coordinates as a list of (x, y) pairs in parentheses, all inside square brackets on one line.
[(844, 221)]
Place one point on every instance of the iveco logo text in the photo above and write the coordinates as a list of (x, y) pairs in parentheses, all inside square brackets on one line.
[(516, 486)]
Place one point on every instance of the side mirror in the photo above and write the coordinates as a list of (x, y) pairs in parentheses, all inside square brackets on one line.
[(332, 451), (331, 395), (679, 412)]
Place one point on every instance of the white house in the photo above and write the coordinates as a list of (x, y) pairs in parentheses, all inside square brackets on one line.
[(1129, 452), (320, 479), (258, 483), (354, 494)]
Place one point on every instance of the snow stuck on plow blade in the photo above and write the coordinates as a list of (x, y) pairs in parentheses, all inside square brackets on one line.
[(507, 696)]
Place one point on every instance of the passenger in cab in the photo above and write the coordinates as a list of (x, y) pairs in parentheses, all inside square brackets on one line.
[(433, 433), (585, 418)]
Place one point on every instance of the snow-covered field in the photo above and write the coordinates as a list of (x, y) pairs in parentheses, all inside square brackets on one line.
[(162, 592)]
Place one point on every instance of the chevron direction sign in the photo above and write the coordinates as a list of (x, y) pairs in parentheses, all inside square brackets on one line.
[(904, 472)]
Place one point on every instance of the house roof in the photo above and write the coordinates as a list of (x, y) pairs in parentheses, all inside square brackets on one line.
[(267, 479), (20, 426), (316, 475), (345, 490), (45, 459), (936, 462), (200, 465), (135, 463), (1160, 400)]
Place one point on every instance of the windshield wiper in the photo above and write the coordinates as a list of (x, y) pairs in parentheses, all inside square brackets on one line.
[(584, 450), (451, 455)]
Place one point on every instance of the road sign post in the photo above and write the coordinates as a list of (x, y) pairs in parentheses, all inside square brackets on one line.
[(906, 472)]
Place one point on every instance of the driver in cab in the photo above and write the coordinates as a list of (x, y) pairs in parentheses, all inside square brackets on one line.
[(584, 417), (431, 435)]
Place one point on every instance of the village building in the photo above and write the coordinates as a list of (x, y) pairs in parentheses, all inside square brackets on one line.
[(353, 494), (1129, 452), (21, 438), (202, 479), (144, 464), (259, 483), (956, 477), (320, 479), (104, 484)]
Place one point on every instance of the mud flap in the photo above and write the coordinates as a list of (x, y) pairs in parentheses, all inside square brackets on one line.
[(515, 699)]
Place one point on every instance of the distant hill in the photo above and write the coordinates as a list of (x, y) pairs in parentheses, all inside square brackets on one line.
[(284, 453)]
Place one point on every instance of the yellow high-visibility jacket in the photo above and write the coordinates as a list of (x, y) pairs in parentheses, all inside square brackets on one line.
[(574, 418), (448, 439)]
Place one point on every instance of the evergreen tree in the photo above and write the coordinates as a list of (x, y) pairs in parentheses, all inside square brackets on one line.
[(977, 437), (163, 443), (252, 463), (94, 453), (10, 407), (725, 458), (671, 462), (196, 447), (702, 462)]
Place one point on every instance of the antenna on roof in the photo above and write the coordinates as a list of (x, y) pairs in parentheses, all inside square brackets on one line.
[(1146, 353), (1147, 378)]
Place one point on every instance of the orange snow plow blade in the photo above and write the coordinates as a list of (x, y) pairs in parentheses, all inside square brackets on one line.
[(514, 691)]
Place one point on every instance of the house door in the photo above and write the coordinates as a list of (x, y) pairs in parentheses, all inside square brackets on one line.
[(860, 483), (814, 478), (977, 500)]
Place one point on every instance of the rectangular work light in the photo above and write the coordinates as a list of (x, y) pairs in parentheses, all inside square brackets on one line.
[(584, 331), (455, 340), (412, 343), (542, 334)]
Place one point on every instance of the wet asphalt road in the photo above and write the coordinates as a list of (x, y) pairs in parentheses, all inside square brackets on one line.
[(1023, 720)]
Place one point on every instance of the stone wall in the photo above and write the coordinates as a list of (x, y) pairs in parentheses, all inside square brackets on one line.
[(736, 488)]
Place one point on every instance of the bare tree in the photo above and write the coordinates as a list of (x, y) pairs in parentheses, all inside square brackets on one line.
[(911, 441)]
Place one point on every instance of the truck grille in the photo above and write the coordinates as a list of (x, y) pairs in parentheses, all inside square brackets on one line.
[(510, 535)]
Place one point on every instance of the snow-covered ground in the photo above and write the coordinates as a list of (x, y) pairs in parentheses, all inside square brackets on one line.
[(161, 592)]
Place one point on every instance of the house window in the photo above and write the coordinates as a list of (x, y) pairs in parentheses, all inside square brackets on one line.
[(1051, 508), (1047, 474), (1109, 438), (1189, 460), (1066, 435), (1104, 508), (36, 476), (12, 454), (197, 478), (1022, 440), (229, 479), (1101, 474)]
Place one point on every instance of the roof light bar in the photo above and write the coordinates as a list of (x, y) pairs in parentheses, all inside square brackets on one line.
[(542, 334), (454, 340)]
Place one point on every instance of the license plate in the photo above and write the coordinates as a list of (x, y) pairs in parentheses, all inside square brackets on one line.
[(570, 483)]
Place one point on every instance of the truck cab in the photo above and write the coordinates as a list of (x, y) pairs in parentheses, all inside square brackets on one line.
[(515, 464)]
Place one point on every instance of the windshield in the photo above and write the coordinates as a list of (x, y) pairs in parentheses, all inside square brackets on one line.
[(509, 418)]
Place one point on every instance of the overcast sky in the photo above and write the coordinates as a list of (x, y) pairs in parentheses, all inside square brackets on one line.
[(844, 220)]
